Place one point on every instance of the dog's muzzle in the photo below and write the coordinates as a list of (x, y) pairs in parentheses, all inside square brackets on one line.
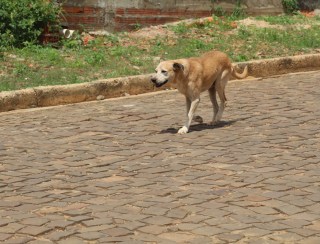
[(158, 84)]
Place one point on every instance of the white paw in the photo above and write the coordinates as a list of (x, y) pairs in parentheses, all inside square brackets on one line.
[(183, 130)]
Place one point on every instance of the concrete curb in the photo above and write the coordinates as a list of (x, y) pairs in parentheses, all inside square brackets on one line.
[(101, 89)]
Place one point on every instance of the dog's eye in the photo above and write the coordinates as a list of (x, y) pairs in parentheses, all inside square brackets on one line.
[(164, 72)]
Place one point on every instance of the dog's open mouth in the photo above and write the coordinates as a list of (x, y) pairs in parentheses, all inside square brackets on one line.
[(161, 84)]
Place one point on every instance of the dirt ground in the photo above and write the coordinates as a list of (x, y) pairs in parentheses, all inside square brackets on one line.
[(153, 32)]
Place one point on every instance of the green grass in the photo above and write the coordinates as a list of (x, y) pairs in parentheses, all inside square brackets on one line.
[(121, 55), (284, 19)]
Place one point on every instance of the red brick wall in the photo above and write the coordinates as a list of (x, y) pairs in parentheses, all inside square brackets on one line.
[(129, 18), (86, 17), (117, 15), (97, 16)]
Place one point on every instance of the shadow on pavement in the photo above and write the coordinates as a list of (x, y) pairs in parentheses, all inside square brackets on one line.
[(202, 126)]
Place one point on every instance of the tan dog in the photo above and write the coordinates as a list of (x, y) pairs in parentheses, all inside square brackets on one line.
[(192, 76)]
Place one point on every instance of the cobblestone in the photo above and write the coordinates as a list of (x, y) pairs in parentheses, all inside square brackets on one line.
[(115, 170)]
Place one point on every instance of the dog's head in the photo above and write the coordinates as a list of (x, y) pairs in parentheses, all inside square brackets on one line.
[(166, 72)]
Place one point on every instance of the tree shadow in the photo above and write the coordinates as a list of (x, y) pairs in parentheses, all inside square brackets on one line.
[(203, 126)]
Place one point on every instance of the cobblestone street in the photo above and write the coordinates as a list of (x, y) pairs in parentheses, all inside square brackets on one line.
[(116, 171)]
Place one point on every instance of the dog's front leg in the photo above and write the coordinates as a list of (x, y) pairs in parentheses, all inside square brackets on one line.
[(191, 108)]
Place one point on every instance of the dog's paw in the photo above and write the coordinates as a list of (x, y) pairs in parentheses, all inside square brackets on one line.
[(198, 119), (183, 130), (214, 122)]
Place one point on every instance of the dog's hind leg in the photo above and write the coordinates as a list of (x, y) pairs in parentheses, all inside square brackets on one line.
[(191, 108), (213, 98), (220, 86)]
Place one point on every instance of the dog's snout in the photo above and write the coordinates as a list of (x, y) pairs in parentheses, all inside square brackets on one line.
[(153, 80)]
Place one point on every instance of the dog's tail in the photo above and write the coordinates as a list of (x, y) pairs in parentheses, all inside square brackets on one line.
[(237, 75)]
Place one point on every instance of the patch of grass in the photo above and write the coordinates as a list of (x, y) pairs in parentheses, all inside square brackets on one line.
[(181, 28), (285, 19), (122, 55)]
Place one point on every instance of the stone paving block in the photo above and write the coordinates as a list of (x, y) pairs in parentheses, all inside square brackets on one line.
[(4, 236), (230, 237), (90, 236), (34, 231), (158, 220), (153, 229), (289, 209), (195, 219), (40, 242), (254, 232), (306, 216), (96, 221), (34, 221), (18, 240), (272, 226), (177, 237), (305, 232), (189, 226), (314, 197), (72, 240), (58, 235), (285, 237), (155, 211), (116, 232), (177, 213), (61, 224), (11, 228), (264, 210), (208, 231)]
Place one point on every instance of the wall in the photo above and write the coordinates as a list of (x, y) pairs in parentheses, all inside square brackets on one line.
[(309, 4), (114, 15)]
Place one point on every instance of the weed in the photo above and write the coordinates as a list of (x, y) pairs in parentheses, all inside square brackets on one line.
[(95, 58), (219, 11), (244, 32), (20, 69), (180, 29), (290, 6), (284, 19), (238, 11)]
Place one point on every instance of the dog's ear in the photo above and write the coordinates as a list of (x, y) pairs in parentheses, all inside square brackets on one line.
[(178, 66)]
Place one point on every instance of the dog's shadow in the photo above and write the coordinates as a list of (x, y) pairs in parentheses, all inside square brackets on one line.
[(202, 126)]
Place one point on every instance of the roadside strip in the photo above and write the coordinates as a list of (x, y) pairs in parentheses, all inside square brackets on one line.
[(101, 89)]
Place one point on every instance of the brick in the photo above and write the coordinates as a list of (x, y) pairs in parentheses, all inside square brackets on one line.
[(90, 236), (59, 223), (289, 209), (11, 228), (158, 220), (72, 240), (208, 231), (34, 221), (264, 210), (116, 232), (177, 213), (96, 222), (176, 237), (58, 235), (34, 231), (230, 237), (153, 229), (189, 226), (4, 236)]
